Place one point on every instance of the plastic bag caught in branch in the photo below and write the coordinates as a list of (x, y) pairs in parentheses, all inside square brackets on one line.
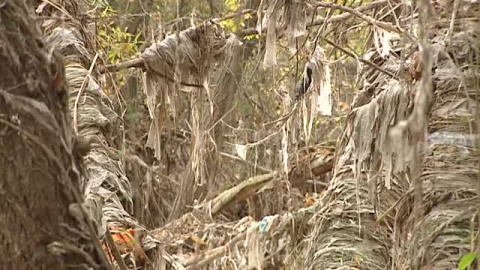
[(296, 17), (382, 41), (316, 80), (270, 21), (180, 60), (321, 84), (293, 17)]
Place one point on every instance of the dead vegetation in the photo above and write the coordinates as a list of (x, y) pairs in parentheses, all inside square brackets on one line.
[(396, 189)]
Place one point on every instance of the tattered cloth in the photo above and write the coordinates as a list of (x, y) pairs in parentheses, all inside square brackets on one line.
[(182, 59)]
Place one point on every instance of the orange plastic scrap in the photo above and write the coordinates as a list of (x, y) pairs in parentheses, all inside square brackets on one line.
[(197, 240), (126, 242), (308, 200)]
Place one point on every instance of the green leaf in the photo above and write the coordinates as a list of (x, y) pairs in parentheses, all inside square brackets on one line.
[(232, 5), (467, 260), (137, 36)]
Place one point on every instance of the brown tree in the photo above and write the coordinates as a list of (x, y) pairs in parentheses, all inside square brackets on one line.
[(44, 223), (403, 193)]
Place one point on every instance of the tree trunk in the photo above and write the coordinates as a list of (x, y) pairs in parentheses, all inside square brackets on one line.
[(405, 189), (44, 224), (107, 191), (445, 225)]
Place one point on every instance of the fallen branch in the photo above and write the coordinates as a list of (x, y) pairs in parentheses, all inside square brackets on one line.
[(303, 171), (240, 192), (300, 173)]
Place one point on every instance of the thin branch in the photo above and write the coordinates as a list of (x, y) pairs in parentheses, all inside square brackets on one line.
[(418, 121), (381, 24), (82, 88), (231, 16), (140, 63), (263, 169), (134, 63), (333, 19), (377, 67), (344, 16), (355, 12)]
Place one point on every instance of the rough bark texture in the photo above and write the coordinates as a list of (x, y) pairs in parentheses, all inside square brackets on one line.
[(43, 224), (405, 190), (448, 225), (106, 189)]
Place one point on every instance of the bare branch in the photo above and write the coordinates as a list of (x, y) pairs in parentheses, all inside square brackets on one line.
[(357, 13), (255, 166), (140, 62), (375, 66), (134, 63), (344, 16), (333, 19)]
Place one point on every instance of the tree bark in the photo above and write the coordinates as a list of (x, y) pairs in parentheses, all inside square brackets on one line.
[(405, 190), (106, 189), (44, 224)]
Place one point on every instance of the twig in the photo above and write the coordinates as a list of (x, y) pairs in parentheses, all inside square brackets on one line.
[(344, 16), (59, 8), (231, 16), (82, 88), (140, 63), (361, 59), (337, 18), (284, 117), (134, 63), (448, 36), (265, 170), (393, 206), (384, 25)]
